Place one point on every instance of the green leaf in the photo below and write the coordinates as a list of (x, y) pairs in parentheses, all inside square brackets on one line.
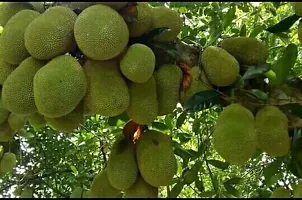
[(176, 189), (199, 185), (256, 31), (296, 109), (255, 71), (243, 30), (218, 164), (184, 137), (259, 94), (234, 180), (230, 189), (118, 120), (202, 100), (160, 127), (207, 194), (229, 16), (271, 170), (181, 119), (74, 169), (283, 25)]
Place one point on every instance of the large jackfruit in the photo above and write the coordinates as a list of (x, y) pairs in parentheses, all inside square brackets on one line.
[(297, 190), (13, 36), (51, 34), (141, 189), (144, 20), (100, 32), (59, 86), (9, 9), (138, 63), (155, 157), (122, 169), (107, 92), (165, 17), (234, 136), (8, 162), (101, 188), (280, 192), (5, 70), (246, 50), (17, 91), (297, 8), (16, 122), (6, 132), (36, 120), (4, 113), (221, 68), (143, 107), (168, 78), (272, 131)]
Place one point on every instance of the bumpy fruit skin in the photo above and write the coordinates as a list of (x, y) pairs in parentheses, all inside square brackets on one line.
[(168, 78), (143, 107), (59, 86), (297, 193), (221, 68), (246, 50), (280, 193), (17, 91), (272, 131), (55, 36), (100, 32), (138, 63), (36, 120), (300, 32), (8, 162), (141, 189), (13, 36), (16, 122), (4, 113), (155, 157), (234, 136), (297, 8), (165, 17), (5, 70), (6, 132), (107, 92)]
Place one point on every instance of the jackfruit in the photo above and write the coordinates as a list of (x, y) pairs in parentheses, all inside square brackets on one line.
[(141, 189), (1, 151), (100, 32), (122, 169), (138, 63), (234, 136), (168, 79), (5, 70), (22, 132), (107, 92), (101, 188), (9, 9), (68, 122), (59, 86), (280, 193), (36, 120), (8, 162), (6, 132), (77, 193), (246, 50), (297, 8), (13, 36), (155, 157), (4, 113), (27, 192), (143, 107), (17, 91), (297, 190), (221, 68), (16, 122), (55, 36), (144, 20), (300, 32), (165, 17), (272, 131)]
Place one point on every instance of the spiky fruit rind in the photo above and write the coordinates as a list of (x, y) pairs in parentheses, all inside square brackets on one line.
[(4, 113), (8, 162), (5, 70), (36, 120), (141, 189), (6, 132), (16, 122)]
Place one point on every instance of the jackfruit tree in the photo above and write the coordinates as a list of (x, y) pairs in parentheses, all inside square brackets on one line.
[(150, 99)]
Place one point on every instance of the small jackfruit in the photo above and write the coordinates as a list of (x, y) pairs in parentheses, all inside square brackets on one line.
[(27, 192), (5, 70), (107, 91), (100, 32), (297, 8), (16, 122), (155, 158), (8, 162), (272, 131), (4, 113), (280, 193), (297, 190), (221, 68), (55, 36), (17, 91), (13, 36), (77, 192), (6, 132), (59, 86), (246, 50), (168, 79), (141, 189), (36, 120), (143, 107), (138, 63), (234, 136)]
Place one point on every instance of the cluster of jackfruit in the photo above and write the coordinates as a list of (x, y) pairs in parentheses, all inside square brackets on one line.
[(137, 169), (8, 162)]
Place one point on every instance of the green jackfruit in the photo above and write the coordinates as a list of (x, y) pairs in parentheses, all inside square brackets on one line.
[(9, 9), (6, 132), (165, 17), (297, 8), (144, 20), (221, 68), (36, 120), (17, 91), (77, 193), (16, 122), (155, 157), (246, 50), (55, 36), (100, 32), (27, 192), (59, 86), (272, 131), (122, 169), (4, 113), (5, 70), (101, 188), (8, 162), (168, 79), (138, 63), (235, 125), (141, 189), (107, 92), (13, 36), (143, 107), (280, 193), (297, 190)]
